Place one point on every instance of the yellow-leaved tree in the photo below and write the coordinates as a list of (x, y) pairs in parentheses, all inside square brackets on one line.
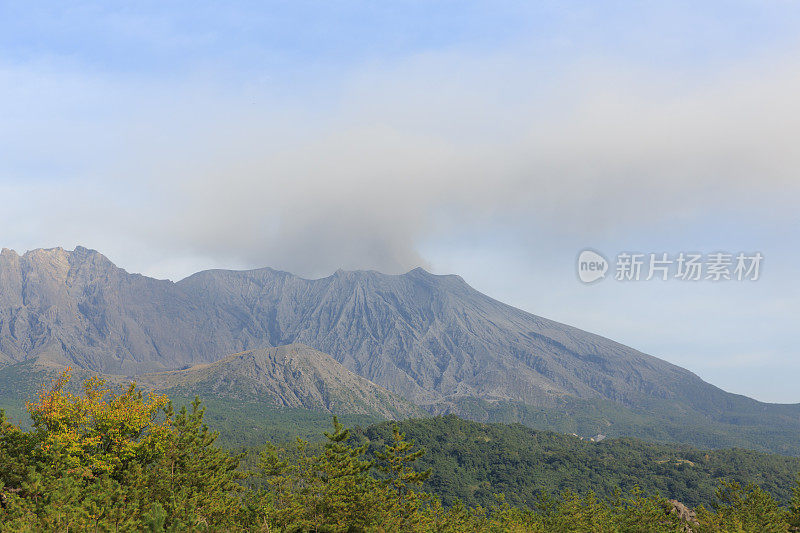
[(121, 461), (98, 433)]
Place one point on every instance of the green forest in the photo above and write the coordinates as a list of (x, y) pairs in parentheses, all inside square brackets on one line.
[(473, 461), (103, 460)]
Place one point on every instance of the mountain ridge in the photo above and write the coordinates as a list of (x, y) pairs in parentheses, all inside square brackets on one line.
[(431, 339)]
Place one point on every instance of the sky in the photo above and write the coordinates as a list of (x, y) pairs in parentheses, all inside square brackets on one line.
[(494, 140)]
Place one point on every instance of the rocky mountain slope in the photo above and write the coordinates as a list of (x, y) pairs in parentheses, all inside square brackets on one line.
[(427, 337), (294, 376), (430, 339)]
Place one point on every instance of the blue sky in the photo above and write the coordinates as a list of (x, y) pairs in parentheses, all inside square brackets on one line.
[(490, 139)]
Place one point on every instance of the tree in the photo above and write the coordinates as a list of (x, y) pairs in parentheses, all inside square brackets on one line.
[(743, 509), (332, 490), (397, 463), (193, 479), (113, 461)]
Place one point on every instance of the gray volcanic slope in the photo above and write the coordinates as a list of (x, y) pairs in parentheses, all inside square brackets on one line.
[(431, 339), (287, 376)]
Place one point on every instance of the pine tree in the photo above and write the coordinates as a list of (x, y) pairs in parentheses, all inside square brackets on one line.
[(744, 509), (397, 463), (194, 481), (349, 496)]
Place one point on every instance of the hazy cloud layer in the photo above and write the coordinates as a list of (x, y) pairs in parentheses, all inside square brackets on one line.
[(357, 174)]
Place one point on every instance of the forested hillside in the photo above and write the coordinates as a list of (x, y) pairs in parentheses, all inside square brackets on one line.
[(471, 462)]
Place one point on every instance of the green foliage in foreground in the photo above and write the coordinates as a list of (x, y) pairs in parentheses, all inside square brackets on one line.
[(127, 462), (473, 461)]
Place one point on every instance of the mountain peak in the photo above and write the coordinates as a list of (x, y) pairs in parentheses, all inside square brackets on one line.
[(45, 252), (58, 253), (421, 273), (83, 251), (88, 255)]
